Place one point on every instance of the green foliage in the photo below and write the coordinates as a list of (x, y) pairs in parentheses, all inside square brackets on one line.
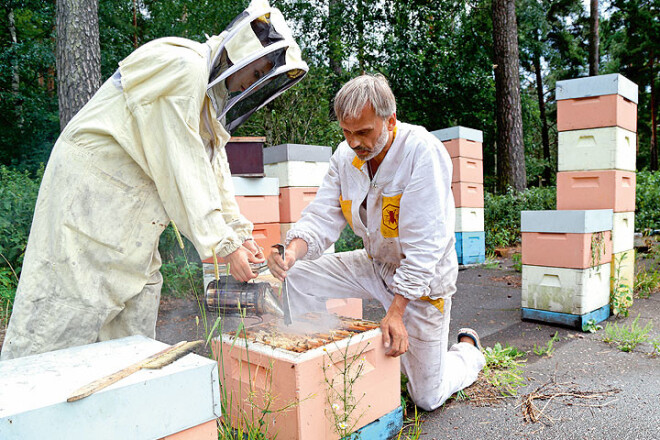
[(548, 349), (503, 368), (647, 214), (18, 196), (647, 276), (502, 213), (348, 241), (591, 326), (181, 278), (627, 338), (8, 283)]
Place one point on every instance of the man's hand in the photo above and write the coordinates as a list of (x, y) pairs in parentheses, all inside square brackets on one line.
[(256, 251), (395, 335), (239, 264), (278, 266)]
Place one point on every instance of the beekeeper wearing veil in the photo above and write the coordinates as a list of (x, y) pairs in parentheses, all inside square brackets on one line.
[(146, 150)]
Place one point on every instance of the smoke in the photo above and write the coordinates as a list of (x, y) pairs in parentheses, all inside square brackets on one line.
[(310, 323)]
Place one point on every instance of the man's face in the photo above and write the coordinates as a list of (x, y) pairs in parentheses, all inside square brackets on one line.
[(248, 75), (368, 134)]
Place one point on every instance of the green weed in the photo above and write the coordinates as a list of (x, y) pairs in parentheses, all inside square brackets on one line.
[(548, 349), (412, 427), (503, 368), (647, 278), (517, 262), (340, 375), (591, 326), (627, 338), (491, 261), (621, 295)]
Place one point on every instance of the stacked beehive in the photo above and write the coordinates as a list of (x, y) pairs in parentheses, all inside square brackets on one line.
[(596, 120), (465, 149), (300, 170), (293, 174)]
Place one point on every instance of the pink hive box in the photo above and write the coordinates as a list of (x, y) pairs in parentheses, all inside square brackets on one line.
[(468, 195), (205, 431), (259, 209), (467, 170), (349, 307), (464, 148), (265, 234), (249, 376), (571, 251), (608, 189), (293, 200), (595, 112)]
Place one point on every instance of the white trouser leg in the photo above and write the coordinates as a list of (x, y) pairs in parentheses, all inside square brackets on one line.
[(434, 373)]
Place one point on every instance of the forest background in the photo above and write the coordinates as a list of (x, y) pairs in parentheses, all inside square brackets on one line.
[(440, 56)]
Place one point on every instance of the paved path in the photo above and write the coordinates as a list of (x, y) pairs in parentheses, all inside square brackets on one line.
[(489, 301)]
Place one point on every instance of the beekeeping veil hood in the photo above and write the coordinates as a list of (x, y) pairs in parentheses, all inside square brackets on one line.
[(256, 61)]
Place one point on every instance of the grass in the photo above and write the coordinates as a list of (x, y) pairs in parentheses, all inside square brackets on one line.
[(548, 349), (503, 368), (626, 338)]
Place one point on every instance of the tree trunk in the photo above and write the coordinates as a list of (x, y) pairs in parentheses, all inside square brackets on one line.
[(78, 55), (593, 39), (654, 114), (510, 148), (545, 137), (360, 35)]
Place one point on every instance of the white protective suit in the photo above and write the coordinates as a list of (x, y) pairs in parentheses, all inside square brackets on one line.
[(146, 149), (408, 234)]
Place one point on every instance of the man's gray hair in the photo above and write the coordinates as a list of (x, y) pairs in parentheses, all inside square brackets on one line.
[(363, 90)]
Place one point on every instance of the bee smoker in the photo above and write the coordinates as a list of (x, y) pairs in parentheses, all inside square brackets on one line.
[(230, 297)]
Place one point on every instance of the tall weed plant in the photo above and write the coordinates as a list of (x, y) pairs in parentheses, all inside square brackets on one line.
[(502, 213)]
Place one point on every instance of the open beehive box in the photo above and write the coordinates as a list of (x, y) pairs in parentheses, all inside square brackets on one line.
[(306, 376)]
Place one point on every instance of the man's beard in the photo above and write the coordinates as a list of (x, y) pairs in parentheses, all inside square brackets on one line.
[(380, 143)]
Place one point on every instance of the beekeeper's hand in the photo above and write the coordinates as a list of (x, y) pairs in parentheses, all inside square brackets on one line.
[(395, 335), (294, 251), (256, 251), (239, 264)]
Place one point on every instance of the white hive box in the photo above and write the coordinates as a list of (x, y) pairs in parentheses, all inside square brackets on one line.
[(612, 84), (623, 231), (597, 149), (469, 220), (149, 404), (572, 291), (256, 186), (297, 173), (297, 152)]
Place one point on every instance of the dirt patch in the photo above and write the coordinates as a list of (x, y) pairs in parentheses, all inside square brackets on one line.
[(509, 280)]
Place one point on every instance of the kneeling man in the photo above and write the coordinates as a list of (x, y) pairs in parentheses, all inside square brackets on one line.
[(391, 182)]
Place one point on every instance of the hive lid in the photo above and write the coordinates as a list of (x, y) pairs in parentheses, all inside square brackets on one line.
[(567, 221), (459, 132), (612, 84)]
